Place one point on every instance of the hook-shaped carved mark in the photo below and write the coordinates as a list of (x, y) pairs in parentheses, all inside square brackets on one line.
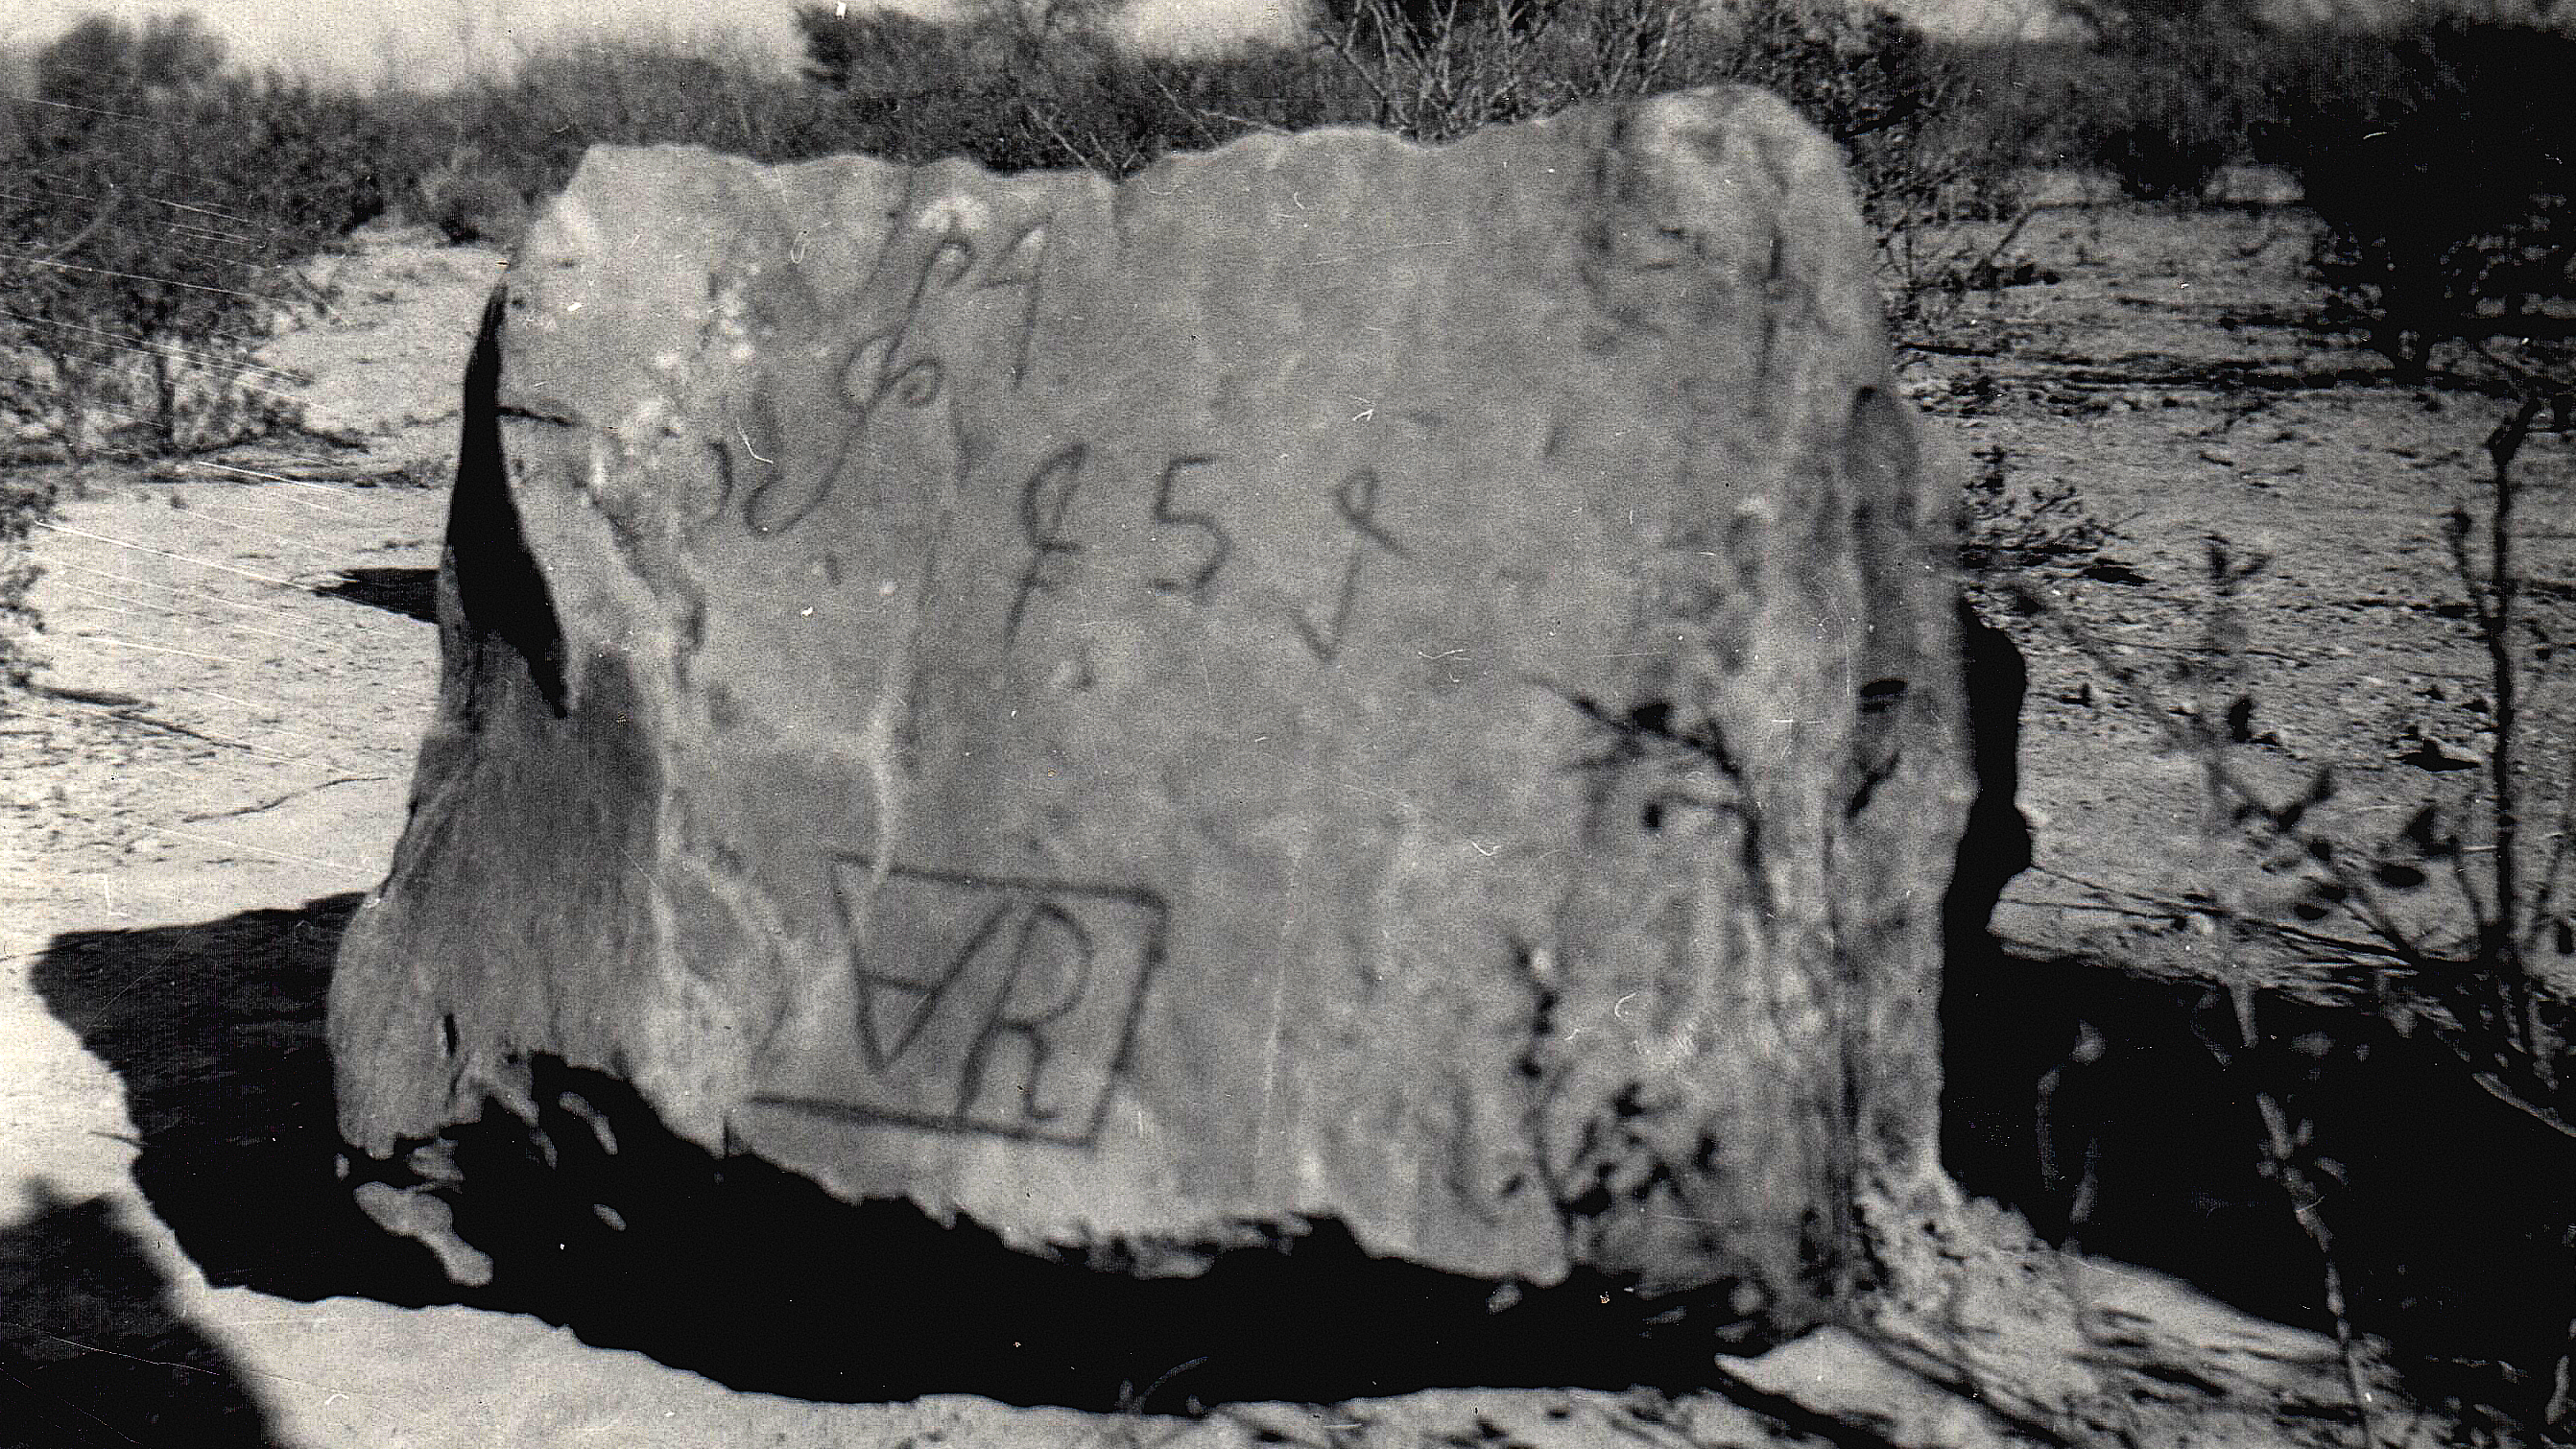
[(1046, 499), (1355, 500)]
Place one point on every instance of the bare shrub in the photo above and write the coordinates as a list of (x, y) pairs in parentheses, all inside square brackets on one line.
[(2017, 537), (26, 499), (2169, 93), (1020, 88), (473, 204), (2458, 918), (2441, 160), (147, 235), (2165, 135), (2469, 971), (528, 133), (151, 208), (103, 55), (1440, 69)]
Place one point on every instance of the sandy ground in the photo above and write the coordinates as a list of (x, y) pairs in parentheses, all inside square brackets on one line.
[(2164, 375), (238, 665)]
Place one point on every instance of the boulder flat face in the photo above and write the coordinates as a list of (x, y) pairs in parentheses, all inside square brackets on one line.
[(1333, 680)]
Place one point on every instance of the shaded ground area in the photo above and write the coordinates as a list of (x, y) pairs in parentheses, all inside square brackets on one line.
[(2119, 1113), (743, 1272), (2102, 1104), (410, 592), (93, 1354), (216, 1030)]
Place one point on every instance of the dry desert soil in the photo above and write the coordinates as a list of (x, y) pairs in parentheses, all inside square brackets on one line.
[(239, 657)]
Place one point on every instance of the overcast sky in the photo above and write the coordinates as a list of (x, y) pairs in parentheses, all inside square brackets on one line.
[(424, 41)]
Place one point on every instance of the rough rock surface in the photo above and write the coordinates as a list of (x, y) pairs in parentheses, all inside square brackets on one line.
[(1333, 680)]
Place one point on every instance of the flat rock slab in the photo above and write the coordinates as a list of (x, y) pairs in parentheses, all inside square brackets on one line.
[(1332, 680)]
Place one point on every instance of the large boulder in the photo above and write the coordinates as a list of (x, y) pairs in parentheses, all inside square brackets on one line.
[(1335, 680)]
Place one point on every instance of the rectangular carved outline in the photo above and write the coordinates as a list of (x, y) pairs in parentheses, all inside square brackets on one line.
[(1158, 914)]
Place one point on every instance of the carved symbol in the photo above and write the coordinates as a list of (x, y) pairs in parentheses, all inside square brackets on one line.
[(1048, 948), (1356, 501), (987, 1003), (1022, 264), (876, 372), (1045, 500), (1219, 545), (951, 258), (872, 377)]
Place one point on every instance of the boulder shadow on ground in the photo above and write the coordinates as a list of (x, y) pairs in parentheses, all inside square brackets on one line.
[(601, 1220), (216, 1030), (2082, 1095), (92, 1352), (2119, 1113), (410, 592)]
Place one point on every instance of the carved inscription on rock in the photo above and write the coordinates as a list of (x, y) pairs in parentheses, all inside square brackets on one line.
[(987, 1004), (1355, 501), (936, 267), (1170, 713)]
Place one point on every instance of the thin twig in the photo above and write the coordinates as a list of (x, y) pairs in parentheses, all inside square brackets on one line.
[(2188, 733), (2494, 1087), (2495, 606), (2172, 908), (2281, 1154)]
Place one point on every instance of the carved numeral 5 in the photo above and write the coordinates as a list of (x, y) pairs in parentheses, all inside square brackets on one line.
[(1218, 545)]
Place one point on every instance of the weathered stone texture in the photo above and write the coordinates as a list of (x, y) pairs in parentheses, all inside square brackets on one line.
[(1333, 680)]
